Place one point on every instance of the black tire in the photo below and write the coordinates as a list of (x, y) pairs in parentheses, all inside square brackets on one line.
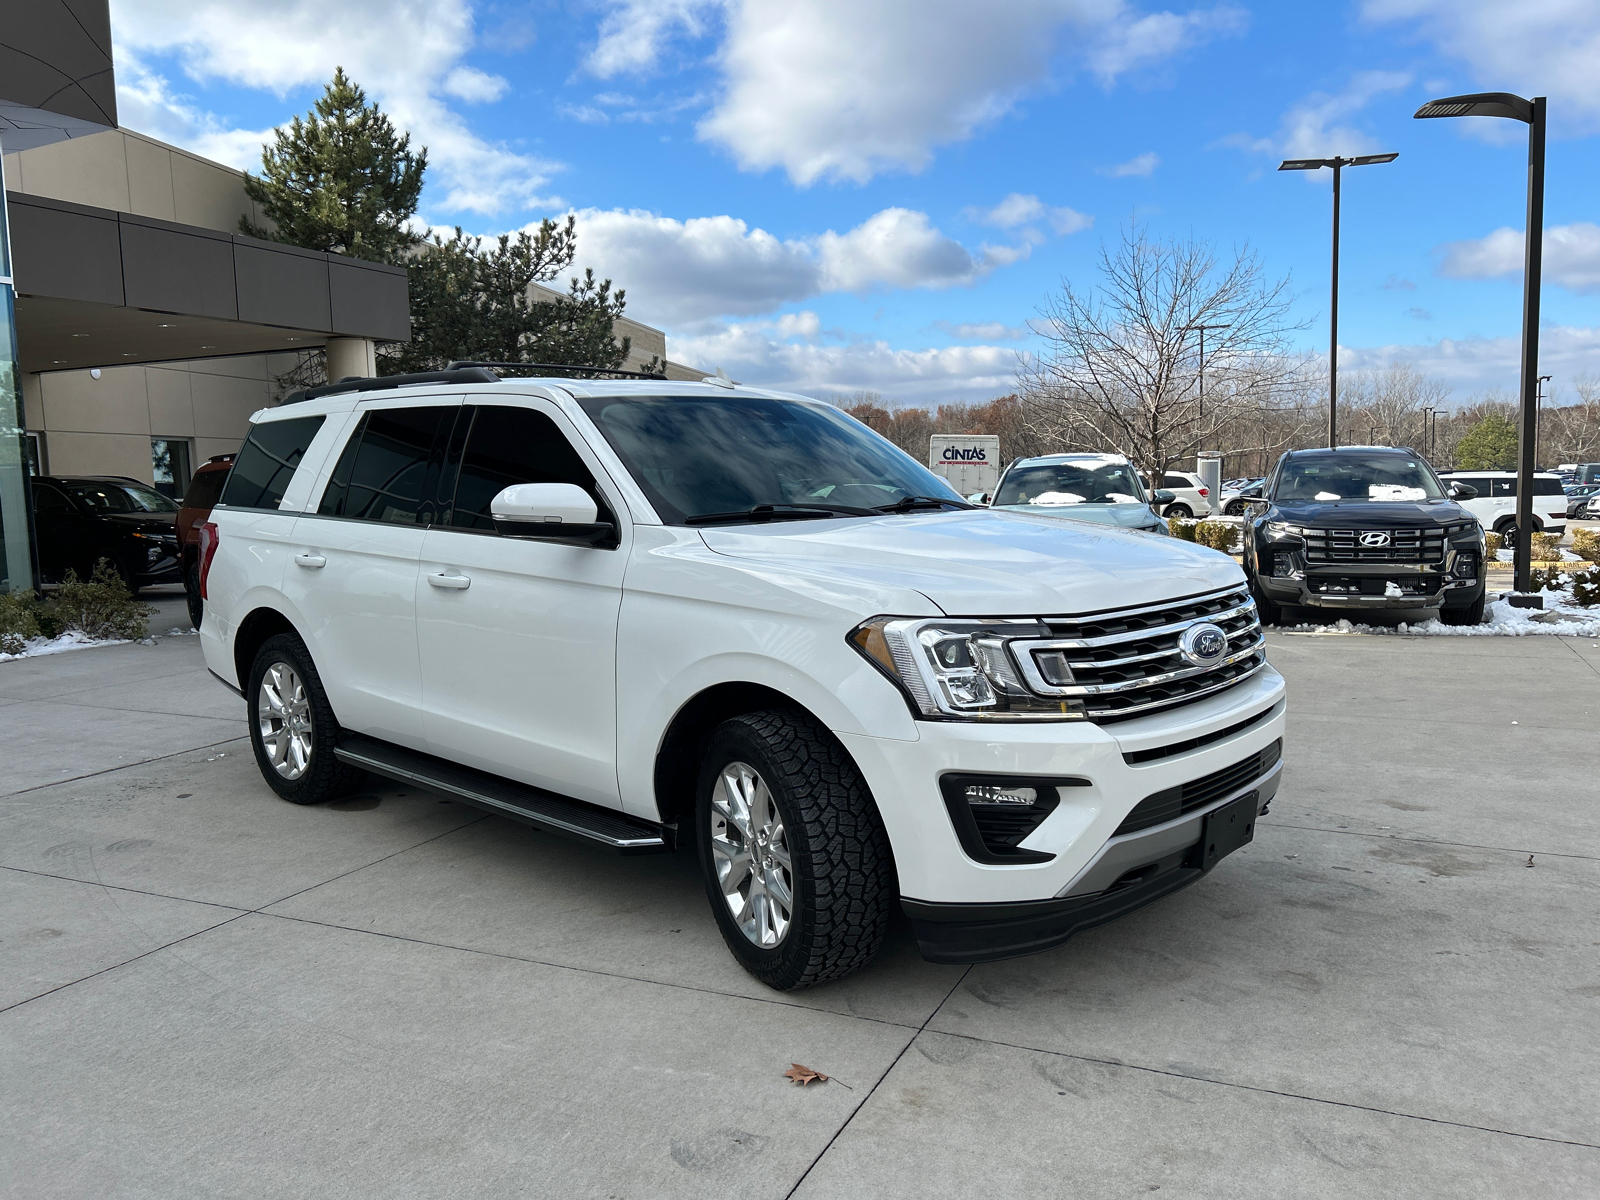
[(1233, 508), (841, 878), (1465, 614), (1268, 612), (1181, 511), (191, 593), (323, 777)]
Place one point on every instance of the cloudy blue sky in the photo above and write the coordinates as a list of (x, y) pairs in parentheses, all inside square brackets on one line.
[(832, 195)]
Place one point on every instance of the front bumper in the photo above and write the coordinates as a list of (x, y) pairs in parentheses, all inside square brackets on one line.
[(1120, 764), (1350, 585)]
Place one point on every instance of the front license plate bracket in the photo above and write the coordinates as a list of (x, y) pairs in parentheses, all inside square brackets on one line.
[(1224, 831)]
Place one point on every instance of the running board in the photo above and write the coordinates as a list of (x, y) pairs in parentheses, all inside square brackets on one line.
[(505, 797)]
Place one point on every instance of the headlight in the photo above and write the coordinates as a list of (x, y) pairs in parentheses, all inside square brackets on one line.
[(960, 670), (1282, 529)]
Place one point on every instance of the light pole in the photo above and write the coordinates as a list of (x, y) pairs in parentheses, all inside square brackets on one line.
[(1531, 113), (1338, 164), (1430, 417), (1539, 406), (1202, 331)]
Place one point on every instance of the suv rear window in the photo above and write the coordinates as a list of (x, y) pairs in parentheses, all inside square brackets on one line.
[(205, 487), (381, 475), (266, 462)]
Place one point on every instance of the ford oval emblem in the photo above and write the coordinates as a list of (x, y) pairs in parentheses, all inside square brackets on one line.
[(1204, 645)]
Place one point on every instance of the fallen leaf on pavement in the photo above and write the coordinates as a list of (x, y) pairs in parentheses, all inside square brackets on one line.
[(804, 1075)]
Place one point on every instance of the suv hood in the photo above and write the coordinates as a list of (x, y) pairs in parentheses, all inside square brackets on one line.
[(984, 563), (1339, 514)]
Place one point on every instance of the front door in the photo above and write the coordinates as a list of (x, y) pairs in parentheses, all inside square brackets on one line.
[(62, 532), (518, 638), (352, 572)]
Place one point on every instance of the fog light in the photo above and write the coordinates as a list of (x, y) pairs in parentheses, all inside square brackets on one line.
[(985, 793), (1282, 564)]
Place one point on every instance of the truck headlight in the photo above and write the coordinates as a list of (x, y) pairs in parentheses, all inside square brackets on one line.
[(1282, 529), (960, 670)]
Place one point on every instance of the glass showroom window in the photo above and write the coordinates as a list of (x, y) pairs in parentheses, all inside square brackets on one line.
[(169, 464), (16, 554)]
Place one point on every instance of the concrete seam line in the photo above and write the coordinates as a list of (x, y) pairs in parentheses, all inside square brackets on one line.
[(1266, 1091), (870, 1091), (559, 966), (1567, 642), (116, 887), (124, 766), (149, 712), (1389, 837)]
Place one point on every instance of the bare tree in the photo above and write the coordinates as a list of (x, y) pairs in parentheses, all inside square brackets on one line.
[(1387, 406), (1122, 365)]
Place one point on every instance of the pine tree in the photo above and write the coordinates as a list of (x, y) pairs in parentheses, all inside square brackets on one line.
[(341, 180), (1490, 445)]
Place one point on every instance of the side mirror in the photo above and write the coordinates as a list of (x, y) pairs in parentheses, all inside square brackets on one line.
[(1161, 497), (1251, 493), (1463, 491), (978, 498), (550, 512)]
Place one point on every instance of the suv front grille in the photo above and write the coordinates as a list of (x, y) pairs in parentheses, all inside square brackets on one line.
[(1128, 663), (1358, 545), (1174, 802)]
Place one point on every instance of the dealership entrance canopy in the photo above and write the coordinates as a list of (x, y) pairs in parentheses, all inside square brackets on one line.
[(85, 286)]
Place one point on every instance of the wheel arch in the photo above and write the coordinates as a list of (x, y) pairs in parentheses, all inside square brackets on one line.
[(261, 623)]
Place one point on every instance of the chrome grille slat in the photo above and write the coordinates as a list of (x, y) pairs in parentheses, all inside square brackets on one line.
[(1149, 672), (1405, 545)]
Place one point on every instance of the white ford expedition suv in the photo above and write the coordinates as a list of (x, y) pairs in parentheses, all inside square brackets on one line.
[(657, 615)]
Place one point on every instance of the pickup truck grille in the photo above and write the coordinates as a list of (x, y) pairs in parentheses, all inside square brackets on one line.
[(1375, 545), (1128, 663)]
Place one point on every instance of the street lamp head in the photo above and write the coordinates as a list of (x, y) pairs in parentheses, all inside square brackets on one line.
[(1479, 104), (1305, 164), (1366, 160), (1315, 164)]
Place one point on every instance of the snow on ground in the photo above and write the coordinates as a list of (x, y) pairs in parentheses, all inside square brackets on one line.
[(1557, 618), (72, 640)]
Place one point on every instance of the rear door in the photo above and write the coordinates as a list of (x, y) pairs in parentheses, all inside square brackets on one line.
[(62, 531), (518, 638), (353, 572)]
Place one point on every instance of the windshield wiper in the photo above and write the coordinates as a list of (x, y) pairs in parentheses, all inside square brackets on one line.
[(907, 503), (781, 512)]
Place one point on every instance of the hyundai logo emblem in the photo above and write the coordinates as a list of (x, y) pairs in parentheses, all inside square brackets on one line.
[(1375, 538), (1203, 644)]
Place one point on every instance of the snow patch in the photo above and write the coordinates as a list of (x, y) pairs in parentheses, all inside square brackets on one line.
[(1058, 498), (1392, 492), (71, 640), (1556, 619)]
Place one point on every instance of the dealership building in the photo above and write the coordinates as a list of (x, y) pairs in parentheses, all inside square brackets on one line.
[(138, 328)]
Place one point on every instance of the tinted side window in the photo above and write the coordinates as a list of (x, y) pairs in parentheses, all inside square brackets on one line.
[(381, 475), (1547, 487), (266, 463), (513, 445), (1502, 487), (47, 500), (204, 489), (1175, 481)]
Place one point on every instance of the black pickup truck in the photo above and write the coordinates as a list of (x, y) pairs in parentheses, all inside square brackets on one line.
[(1363, 527)]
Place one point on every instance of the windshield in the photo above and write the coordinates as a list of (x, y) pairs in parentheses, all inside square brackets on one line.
[(1346, 476), (1083, 482), (120, 498), (702, 456)]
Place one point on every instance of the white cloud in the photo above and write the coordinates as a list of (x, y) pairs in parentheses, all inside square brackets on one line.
[(750, 354), (1140, 166), (406, 53), (1018, 209), (984, 331), (1480, 364), (839, 90), (474, 86), (1536, 47), (681, 273), (1571, 256), (1312, 128)]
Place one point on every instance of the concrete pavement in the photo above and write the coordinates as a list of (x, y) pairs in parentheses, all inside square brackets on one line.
[(208, 992)]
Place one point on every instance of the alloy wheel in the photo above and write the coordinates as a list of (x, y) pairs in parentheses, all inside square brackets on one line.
[(750, 849), (283, 714)]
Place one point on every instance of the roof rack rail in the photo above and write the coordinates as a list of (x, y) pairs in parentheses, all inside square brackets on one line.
[(383, 383), (555, 368)]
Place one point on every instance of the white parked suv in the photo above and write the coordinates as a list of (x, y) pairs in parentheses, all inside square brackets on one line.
[(1495, 505), (657, 615), (1192, 498)]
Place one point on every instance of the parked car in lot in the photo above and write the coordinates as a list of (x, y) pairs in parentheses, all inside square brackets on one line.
[(1190, 497), (198, 499), (81, 519), (1102, 488), (1233, 501), (1365, 527), (1495, 504), (1578, 496), (649, 614)]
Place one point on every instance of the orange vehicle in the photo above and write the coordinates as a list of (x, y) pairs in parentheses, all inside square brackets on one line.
[(204, 488)]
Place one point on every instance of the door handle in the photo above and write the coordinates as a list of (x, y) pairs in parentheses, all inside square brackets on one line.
[(450, 581), (310, 560)]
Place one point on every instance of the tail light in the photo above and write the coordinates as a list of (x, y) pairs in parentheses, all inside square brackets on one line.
[(208, 551), (1203, 493)]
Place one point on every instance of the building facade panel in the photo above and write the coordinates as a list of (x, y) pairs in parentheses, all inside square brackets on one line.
[(171, 397), (77, 402), (367, 302), (282, 285), (55, 55), (101, 454), (178, 269), (65, 250), (207, 194), (85, 170), (149, 168)]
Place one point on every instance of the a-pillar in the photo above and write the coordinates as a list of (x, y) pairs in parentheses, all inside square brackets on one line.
[(351, 356)]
